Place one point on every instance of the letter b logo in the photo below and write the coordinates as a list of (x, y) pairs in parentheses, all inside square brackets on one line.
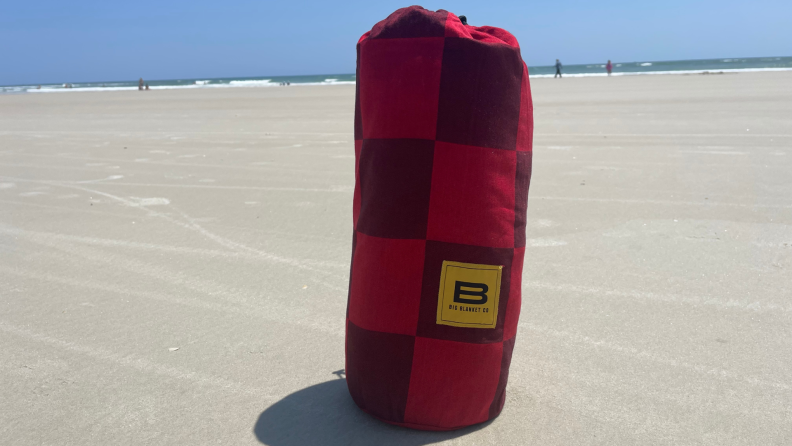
[(470, 289), (468, 295)]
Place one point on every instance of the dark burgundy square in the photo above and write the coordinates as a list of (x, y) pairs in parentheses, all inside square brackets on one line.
[(525, 129), (378, 367), (358, 115), (436, 253), (500, 391), (521, 184), (515, 295), (413, 21), (479, 94), (395, 185)]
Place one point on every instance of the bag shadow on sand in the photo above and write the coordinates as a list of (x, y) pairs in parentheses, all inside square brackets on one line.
[(325, 414)]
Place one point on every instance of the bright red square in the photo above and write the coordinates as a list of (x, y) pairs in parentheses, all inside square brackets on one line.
[(515, 296), (472, 199), (356, 193), (385, 293), (452, 383), (399, 87)]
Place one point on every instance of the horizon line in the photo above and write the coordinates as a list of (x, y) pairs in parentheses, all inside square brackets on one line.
[(354, 74)]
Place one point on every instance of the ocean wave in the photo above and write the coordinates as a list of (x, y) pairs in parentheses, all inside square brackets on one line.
[(253, 82), (258, 83), (649, 73), (233, 84), (645, 64), (326, 83), (18, 89), (71, 90)]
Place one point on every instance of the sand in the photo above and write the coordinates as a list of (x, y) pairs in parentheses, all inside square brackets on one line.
[(174, 266)]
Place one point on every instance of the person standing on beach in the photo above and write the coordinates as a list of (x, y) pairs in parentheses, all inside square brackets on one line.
[(140, 84), (609, 67), (558, 69)]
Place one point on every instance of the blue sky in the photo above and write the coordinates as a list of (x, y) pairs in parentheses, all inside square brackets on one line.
[(72, 41)]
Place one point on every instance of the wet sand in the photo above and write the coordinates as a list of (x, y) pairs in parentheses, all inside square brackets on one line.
[(174, 266)]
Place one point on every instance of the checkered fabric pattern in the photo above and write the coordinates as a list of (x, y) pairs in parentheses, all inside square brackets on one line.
[(443, 134)]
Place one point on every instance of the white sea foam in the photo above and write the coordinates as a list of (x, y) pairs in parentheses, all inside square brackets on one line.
[(332, 81), (328, 83), (68, 90), (647, 73), (253, 83), (646, 64), (202, 82), (232, 84), (17, 89)]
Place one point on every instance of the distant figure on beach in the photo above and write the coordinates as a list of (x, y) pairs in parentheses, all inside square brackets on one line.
[(558, 69), (140, 84), (609, 67), (147, 87)]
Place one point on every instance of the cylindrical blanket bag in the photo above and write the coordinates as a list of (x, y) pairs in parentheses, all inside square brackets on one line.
[(443, 130)]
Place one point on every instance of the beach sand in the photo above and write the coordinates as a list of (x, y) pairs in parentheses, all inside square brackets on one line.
[(174, 267)]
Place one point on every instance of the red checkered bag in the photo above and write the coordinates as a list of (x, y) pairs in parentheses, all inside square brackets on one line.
[(443, 130)]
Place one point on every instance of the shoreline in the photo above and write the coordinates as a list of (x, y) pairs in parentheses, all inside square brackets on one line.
[(663, 73), (265, 84)]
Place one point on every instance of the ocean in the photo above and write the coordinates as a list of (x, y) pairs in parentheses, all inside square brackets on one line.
[(696, 66)]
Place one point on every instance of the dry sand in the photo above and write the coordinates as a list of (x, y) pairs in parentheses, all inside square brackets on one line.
[(657, 291)]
